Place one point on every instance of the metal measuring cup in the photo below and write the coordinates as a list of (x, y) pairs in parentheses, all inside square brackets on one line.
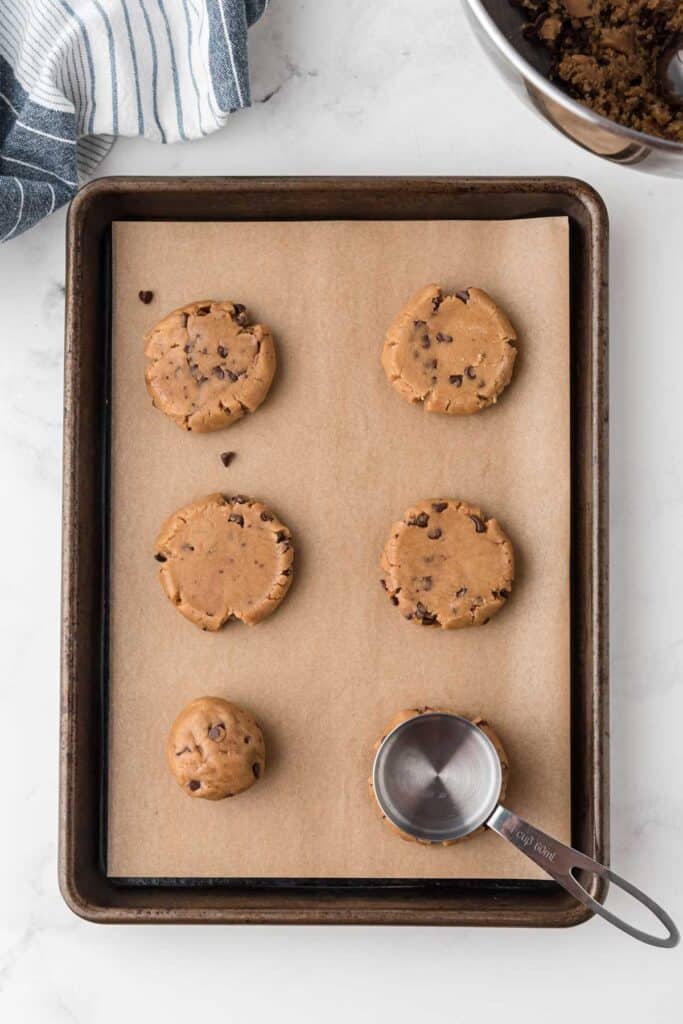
[(437, 777)]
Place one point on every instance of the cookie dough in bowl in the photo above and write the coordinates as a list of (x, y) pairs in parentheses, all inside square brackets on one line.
[(453, 353), (208, 365), (223, 558), (404, 716), (445, 564), (215, 749)]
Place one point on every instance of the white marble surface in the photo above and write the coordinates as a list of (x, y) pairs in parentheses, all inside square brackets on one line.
[(390, 86)]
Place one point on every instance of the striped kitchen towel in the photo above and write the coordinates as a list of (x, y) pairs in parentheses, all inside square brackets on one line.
[(74, 74)]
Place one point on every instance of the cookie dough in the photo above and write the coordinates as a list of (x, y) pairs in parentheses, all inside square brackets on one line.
[(455, 353), (404, 716), (616, 57), (215, 749), (446, 565), (208, 365), (224, 558)]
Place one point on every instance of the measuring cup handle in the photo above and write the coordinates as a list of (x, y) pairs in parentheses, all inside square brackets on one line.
[(559, 861)]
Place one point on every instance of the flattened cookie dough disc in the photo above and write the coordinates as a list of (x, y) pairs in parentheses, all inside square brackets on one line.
[(455, 353), (446, 565), (224, 558), (404, 716), (215, 749), (208, 365)]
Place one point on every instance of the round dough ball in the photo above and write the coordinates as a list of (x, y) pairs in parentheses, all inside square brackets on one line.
[(224, 558), (446, 565), (455, 353), (215, 749), (404, 716), (208, 365)]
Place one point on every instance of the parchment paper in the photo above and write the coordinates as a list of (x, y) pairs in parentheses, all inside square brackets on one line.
[(340, 456)]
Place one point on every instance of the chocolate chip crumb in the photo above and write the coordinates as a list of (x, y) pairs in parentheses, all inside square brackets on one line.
[(146, 297), (159, 557), (227, 457)]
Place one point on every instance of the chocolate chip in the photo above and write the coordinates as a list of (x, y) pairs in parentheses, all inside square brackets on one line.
[(236, 518), (394, 599), (146, 297), (281, 537), (419, 323), (217, 732), (185, 750), (267, 517), (222, 351), (440, 506), (187, 348), (427, 582), (239, 499), (231, 376), (444, 338), (247, 739), (159, 557), (502, 593), (203, 311), (461, 592), (464, 295), (436, 302), (383, 584), (420, 520), (470, 372), (425, 342), (434, 534), (456, 379), (256, 769), (218, 372), (479, 524), (426, 617), (194, 785), (227, 457)]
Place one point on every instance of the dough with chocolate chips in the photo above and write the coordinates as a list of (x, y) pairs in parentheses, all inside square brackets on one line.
[(404, 716), (223, 558), (454, 353), (446, 565), (208, 365), (215, 749)]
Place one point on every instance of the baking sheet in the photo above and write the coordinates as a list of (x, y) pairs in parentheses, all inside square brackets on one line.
[(340, 456)]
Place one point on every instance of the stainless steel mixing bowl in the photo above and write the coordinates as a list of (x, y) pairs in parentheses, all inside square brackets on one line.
[(525, 65)]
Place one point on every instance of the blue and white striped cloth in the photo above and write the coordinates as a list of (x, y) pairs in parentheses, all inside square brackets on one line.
[(74, 74)]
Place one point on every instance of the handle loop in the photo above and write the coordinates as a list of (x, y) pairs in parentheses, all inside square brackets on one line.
[(560, 861)]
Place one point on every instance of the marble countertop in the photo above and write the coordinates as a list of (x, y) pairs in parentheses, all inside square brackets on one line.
[(359, 87)]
